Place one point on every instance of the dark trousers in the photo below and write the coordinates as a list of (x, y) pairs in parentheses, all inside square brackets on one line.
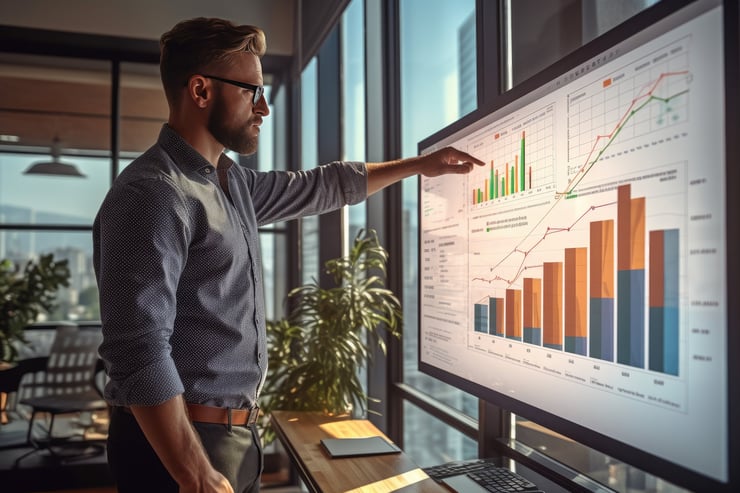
[(236, 453)]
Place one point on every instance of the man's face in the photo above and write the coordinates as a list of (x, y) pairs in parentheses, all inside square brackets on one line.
[(234, 119)]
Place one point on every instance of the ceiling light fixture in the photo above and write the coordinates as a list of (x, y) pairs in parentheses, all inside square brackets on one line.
[(54, 167)]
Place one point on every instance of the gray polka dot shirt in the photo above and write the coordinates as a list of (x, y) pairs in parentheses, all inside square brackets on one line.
[(178, 267)]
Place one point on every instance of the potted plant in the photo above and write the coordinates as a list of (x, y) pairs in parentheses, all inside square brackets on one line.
[(24, 293), (316, 352)]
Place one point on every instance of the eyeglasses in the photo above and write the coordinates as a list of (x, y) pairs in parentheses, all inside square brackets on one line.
[(258, 90)]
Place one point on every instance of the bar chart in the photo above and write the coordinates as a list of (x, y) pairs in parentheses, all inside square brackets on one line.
[(592, 300), (519, 157)]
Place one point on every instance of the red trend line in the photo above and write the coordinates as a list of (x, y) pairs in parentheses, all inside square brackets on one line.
[(559, 196), (526, 253), (621, 122)]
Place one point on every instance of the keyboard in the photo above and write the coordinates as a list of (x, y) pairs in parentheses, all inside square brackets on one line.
[(486, 475), (441, 471)]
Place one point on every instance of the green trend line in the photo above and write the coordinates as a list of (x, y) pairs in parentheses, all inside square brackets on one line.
[(625, 118), (589, 164), (614, 135)]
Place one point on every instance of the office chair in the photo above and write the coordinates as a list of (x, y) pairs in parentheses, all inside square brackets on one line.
[(68, 387), (18, 380)]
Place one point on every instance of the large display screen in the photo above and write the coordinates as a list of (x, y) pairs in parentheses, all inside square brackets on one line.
[(581, 274)]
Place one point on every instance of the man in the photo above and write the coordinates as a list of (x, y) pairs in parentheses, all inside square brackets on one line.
[(177, 260)]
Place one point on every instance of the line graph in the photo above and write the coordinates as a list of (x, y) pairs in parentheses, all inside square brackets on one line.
[(525, 253), (637, 107), (628, 107), (612, 111)]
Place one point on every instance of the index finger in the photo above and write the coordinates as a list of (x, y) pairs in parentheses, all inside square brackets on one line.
[(461, 156)]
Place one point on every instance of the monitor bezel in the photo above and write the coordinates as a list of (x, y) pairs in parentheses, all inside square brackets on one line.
[(650, 463)]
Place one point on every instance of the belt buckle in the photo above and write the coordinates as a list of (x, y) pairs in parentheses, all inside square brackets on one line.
[(254, 414)]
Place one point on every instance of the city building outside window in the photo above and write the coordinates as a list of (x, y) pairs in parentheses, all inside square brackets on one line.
[(437, 44)]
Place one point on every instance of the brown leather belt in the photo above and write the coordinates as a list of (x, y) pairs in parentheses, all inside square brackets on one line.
[(222, 415), (200, 413)]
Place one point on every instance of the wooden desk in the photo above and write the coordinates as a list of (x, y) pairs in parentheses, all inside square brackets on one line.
[(300, 433)]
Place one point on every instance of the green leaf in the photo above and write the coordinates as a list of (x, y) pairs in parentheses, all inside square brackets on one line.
[(316, 352)]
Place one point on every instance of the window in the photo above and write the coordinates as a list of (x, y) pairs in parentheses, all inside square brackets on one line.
[(272, 238), (353, 98), (54, 110), (431, 443), (309, 159), (143, 108), (566, 25), (433, 35)]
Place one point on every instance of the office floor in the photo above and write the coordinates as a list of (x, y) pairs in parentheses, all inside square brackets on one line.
[(25, 469)]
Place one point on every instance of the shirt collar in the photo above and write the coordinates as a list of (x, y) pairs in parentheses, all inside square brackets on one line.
[(184, 155)]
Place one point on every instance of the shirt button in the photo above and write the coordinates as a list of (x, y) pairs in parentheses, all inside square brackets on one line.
[(208, 171)]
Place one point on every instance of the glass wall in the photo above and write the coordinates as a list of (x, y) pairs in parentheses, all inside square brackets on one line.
[(309, 159), (438, 443), (566, 25), (353, 98), (433, 35), (59, 109), (54, 110), (143, 108), (272, 237)]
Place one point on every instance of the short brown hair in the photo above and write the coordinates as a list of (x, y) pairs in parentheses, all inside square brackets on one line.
[(196, 44)]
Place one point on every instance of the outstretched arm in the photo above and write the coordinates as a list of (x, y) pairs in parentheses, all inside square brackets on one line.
[(441, 162)]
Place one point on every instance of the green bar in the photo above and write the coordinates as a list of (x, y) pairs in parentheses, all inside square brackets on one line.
[(490, 187), (503, 187), (512, 185), (480, 196), (521, 164)]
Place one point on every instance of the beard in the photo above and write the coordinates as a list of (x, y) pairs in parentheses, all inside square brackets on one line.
[(235, 138)]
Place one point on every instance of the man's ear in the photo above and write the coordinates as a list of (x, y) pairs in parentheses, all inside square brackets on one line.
[(200, 90)]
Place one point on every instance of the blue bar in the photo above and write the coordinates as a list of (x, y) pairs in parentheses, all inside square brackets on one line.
[(533, 335), (601, 329), (575, 345), (481, 318), (631, 317)]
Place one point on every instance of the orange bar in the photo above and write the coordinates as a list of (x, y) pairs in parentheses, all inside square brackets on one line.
[(607, 82), (637, 227), (486, 191), (624, 231), (532, 302), (657, 266), (602, 259), (552, 312), (500, 316), (514, 313), (630, 230), (516, 172), (576, 286)]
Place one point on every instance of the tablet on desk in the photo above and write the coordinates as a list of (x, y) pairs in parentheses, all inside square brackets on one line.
[(357, 447)]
